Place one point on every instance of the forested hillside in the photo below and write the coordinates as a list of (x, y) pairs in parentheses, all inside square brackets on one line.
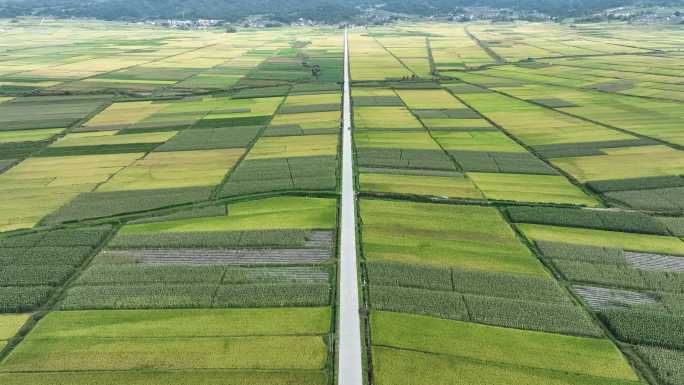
[(289, 10)]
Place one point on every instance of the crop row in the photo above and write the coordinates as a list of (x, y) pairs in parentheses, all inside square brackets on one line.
[(563, 150), (18, 299), (622, 276), (595, 219), (505, 312), (91, 236), (103, 204), (152, 296), (403, 158), (211, 239), (512, 286), (278, 174), (35, 263), (505, 162), (651, 317), (609, 267), (140, 274), (211, 138)]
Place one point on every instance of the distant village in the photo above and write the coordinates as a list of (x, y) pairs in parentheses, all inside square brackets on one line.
[(374, 16)]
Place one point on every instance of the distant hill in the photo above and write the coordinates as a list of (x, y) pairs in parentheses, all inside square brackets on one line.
[(291, 10)]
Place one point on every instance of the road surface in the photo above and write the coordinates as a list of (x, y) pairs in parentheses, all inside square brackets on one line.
[(349, 354)]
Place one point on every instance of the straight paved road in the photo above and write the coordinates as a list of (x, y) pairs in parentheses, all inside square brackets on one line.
[(349, 367)]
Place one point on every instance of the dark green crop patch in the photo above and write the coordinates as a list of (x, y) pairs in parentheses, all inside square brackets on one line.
[(646, 327), (210, 239), (104, 204), (282, 174), (404, 159), (505, 162), (211, 138), (646, 183), (635, 222)]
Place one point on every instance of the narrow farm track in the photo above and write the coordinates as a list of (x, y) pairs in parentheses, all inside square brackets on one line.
[(349, 355)]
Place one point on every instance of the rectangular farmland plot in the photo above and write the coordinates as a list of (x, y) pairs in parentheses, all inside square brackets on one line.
[(37, 263), (390, 118), (487, 141), (263, 214), (662, 199), (38, 186), (315, 122), (282, 174), (431, 99), (457, 124), (530, 188), (125, 114), (47, 112), (455, 186), (91, 353), (405, 367), (212, 138), (371, 96), (221, 248), (658, 244), (405, 161), (624, 163), (105, 142), (175, 323), (10, 325), (578, 355), (104, 204), (196, 295), (110, 138), (536, 125), (467, 237), (635, 222), (28, 135), (175, 169), (293, 146), (407, 140), (166, 377), (502, 162), (370, 61)]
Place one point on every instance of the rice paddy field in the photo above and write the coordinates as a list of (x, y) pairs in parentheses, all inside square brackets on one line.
[(170, 203), (525, 197)]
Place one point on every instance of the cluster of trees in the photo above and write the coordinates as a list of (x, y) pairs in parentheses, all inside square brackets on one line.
[(554, 8), (290, 10), (282, 10)]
